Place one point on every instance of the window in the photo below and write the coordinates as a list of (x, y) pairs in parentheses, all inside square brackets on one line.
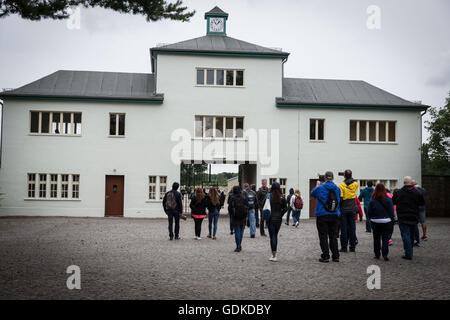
[(217, 126), (59, 186), (64, 186), (152, 188), (117, 124), (283, 185), (157, 187), (162, 187), (373, 131), (390, 184), (53, 186), (220, 77), (75, 186), (272, 180), (316, 129), (31, 185), (55, 123), (42, 185)]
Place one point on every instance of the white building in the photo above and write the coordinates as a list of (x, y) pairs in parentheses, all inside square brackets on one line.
[(78, 143)]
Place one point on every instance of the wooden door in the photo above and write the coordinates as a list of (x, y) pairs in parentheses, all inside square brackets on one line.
[(312, 201), (114, 192)]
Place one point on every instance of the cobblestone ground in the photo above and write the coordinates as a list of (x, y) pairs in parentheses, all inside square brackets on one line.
[(133, 259)]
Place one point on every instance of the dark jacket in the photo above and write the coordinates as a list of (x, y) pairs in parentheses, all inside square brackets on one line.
[(261, 196), (381, 209), (198, 209), (177, 198), (408, 199), (277, 210), (211, 207), (231, 206), (222, 199), (348, 195)]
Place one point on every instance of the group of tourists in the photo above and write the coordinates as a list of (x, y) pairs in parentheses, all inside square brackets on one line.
[(337, 209)]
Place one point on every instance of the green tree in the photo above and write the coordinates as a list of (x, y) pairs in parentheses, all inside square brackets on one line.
[(153, 10), (436, 151)]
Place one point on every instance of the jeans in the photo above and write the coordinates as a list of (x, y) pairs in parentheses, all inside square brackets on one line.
[(296, 215), (198, 226), (416, 234), (382, 232), (274, 227), (252, 220), (173, 215), (407, 231), (368, 224), (261, 222), (327, 227), (348, 230), (288, 214), (213, 218), (238, 234)]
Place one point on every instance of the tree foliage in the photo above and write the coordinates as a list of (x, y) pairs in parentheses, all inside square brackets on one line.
[(436, 151), (153, 10)]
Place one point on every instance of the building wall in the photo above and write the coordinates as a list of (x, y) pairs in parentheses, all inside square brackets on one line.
[(147, 148)]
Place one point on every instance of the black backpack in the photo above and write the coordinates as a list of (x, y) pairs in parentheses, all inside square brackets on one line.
[(332, 202), (239, 207), (251, 198)]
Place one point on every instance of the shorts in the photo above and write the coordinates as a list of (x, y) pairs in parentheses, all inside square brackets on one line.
[(422, 215)]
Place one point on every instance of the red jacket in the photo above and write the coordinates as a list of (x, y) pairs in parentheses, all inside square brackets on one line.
[(358, 209)]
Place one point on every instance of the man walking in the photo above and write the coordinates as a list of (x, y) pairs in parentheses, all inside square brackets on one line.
[(173, 207), (289, 208), (348, 209), (261, 198), (327, 216), (366, 195), (252, 207), (408, 200)]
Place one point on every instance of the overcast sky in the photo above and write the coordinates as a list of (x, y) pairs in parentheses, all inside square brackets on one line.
[(408, 56)]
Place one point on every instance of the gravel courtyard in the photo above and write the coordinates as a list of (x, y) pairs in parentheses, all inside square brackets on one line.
[(124, 258)]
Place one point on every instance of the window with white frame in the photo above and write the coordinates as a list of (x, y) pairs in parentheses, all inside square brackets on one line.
[(272, 180), (57, 188), (31, 185), (390, 184), (283, 185), (75, 186), (220, 77), (117, 124), (157, 187), (316, 129), (219, 127), (55, 123), (373, 131)]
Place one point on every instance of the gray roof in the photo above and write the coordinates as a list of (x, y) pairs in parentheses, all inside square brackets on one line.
[(90, 84), (219, 43), (339, 93), (216, 11)]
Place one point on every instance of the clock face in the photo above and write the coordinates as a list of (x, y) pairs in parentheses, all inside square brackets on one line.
[(216, 24)]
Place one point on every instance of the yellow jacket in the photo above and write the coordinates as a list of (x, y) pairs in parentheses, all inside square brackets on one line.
[(348, 189)]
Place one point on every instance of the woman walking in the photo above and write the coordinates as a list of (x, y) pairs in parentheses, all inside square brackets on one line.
[(198, 210), (214, 205), (238, 206), (278, 208), (296, 203), (381, 215)]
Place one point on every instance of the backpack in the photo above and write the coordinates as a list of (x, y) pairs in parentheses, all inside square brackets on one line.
[(332, 202), (239, 207), (251, 199), (171, 201), (298, 203)]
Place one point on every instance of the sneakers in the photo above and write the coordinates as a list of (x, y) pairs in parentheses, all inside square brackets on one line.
[(198, 238), (424, 238), (416, 244), (324, 260), (273, 259), (391, 242), (296, 224)]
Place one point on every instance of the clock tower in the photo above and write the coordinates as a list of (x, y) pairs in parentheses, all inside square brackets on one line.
[(216, 21)]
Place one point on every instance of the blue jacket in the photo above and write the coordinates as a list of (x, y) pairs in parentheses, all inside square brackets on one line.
[(381, 209), (366, 196), (321, 192)]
